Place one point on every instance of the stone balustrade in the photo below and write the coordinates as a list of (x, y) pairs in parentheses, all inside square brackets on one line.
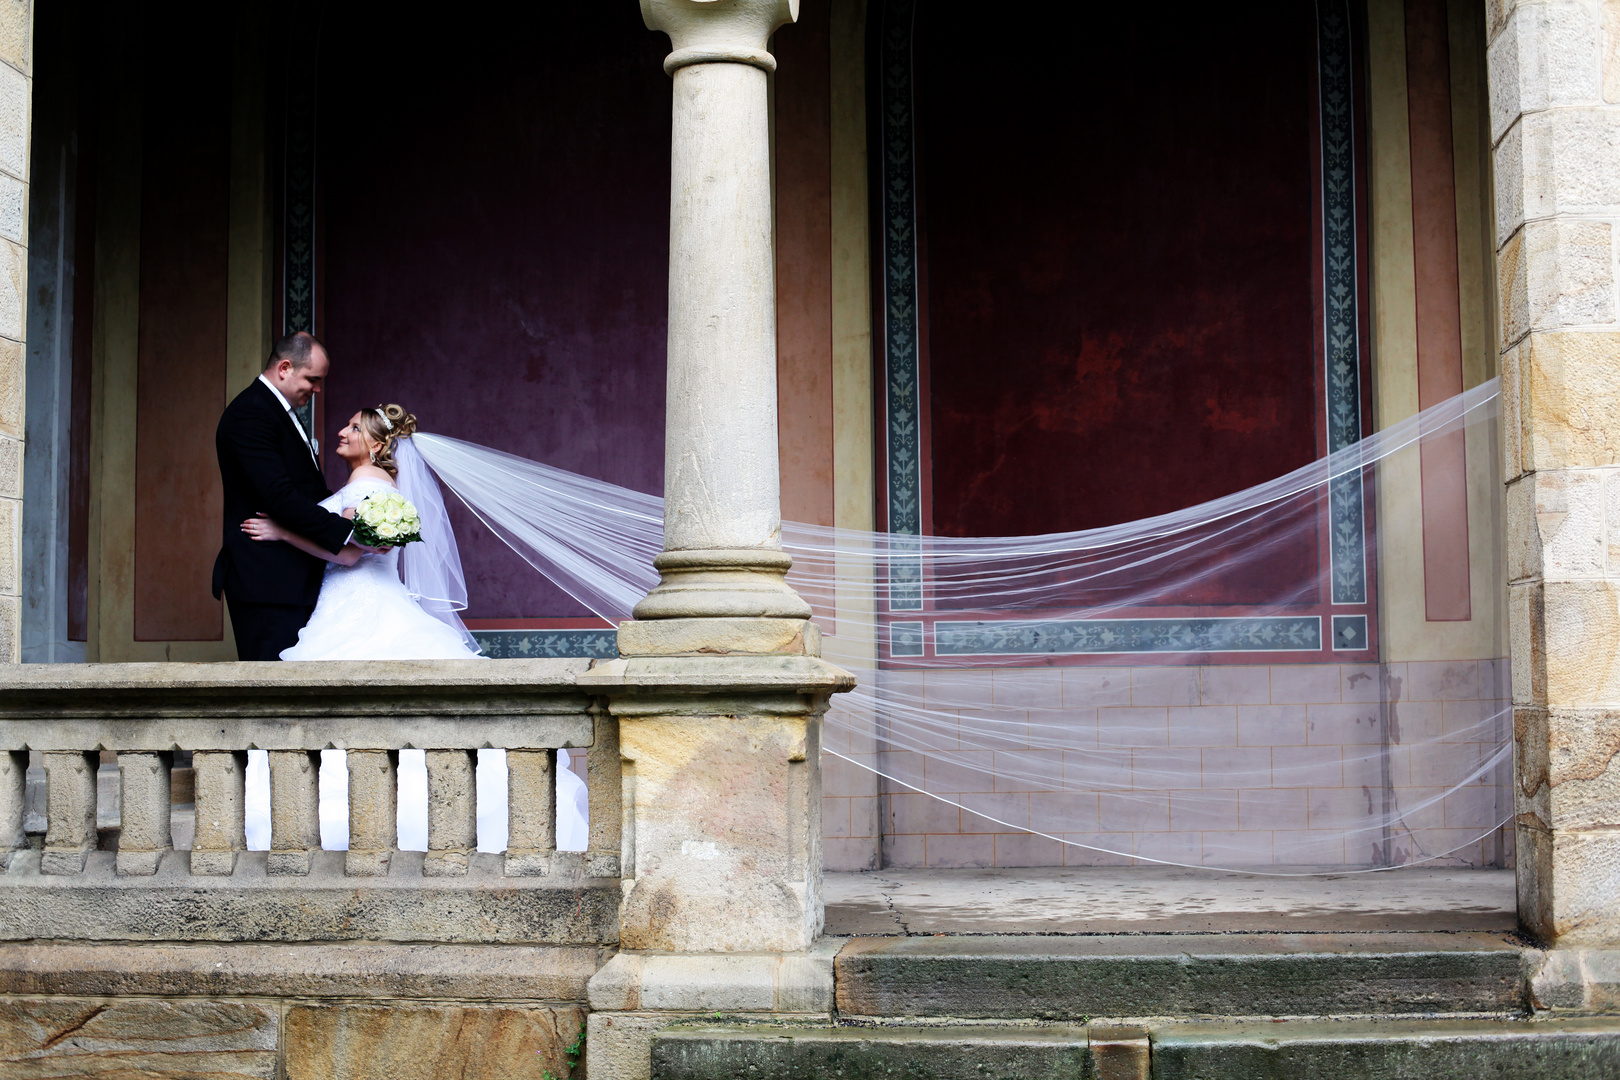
[(147, 890)]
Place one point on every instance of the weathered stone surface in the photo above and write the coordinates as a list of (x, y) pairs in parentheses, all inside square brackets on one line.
[(1573, 980), (732, 982), (1064, 978), (1568, 880), (42, 1039), (373, 812), (714, 637), (1570, 400), (401, 1043), (727, 831), (1557, 273), (621, 1043), (465, 972), (1547, 1050), (70, 811), (17, 34), (220, 777), (251, 905), (1544, 55), (452, 811), (810, 1053), (144, 816), (1119, 1053), (375, 704), (295, 816), (604, 764), (1581, 628), (11, 399)]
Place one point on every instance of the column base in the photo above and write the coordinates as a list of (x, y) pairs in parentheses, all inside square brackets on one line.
[(721, 583), (636, 995), (719, 637)]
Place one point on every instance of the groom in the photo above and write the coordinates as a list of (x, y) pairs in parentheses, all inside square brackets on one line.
[(269, 465)]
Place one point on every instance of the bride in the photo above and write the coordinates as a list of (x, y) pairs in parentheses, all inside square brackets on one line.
[(393, 604), (365, 610)]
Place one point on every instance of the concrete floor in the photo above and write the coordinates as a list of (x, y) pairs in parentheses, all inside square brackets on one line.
[(1114, 900)]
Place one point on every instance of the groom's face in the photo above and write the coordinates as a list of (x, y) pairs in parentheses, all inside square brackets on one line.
[(298, 385)]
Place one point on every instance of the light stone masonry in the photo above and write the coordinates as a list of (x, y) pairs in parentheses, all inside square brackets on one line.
[(1555, 121), (16, 89)]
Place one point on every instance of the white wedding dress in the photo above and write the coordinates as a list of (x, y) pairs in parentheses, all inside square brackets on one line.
[(364, 612)]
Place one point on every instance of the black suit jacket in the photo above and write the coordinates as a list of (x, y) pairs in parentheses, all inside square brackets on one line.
[(266, 467)]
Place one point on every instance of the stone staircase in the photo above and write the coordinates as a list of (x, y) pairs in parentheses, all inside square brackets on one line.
[(1166, 1006)]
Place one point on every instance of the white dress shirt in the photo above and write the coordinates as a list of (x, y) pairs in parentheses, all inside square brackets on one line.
[(314, 447)]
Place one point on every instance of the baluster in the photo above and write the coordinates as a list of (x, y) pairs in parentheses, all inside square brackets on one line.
[(13, 799), (70, 810), (220, 776), (144, 818), (452, 811), (531, 812), (373, 808), (295, 810), (605, 790)]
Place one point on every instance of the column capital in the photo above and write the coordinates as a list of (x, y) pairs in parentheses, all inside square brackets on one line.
[(718, 31)]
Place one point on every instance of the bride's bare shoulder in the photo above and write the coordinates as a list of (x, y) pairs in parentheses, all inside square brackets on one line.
[(370, 472)]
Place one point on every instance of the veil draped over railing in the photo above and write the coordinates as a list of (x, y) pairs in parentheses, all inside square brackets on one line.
[(1008, 718)]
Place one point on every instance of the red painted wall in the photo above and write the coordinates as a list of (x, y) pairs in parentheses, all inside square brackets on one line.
[(1117, 225), (495, 244)]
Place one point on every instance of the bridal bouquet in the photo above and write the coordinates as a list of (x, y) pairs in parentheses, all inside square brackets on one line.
[(386, 520)]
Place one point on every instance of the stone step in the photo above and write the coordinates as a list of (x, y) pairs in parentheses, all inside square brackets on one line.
[(1431, 1049), (769, 1052), (1389, 1050), (1180, 975)]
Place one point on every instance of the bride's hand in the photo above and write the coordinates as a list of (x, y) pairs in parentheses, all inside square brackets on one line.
[(262, 528)]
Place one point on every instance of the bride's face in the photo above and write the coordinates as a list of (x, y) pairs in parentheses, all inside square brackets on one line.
[(352, 444)]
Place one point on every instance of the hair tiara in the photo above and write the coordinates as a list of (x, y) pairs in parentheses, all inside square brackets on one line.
[(387, 423)]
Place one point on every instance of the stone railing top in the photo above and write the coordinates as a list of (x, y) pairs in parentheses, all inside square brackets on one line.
[(259, 689)]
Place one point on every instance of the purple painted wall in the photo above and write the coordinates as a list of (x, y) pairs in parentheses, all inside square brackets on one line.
[(495, 232)]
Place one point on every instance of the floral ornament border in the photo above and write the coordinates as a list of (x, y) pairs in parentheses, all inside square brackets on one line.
[(1293, 633), (902, 389), (548, 644), (1341, 316), (298, 204)]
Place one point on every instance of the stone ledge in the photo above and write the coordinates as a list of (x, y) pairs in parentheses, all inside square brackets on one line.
[(804, 1053), (716, 675), (1545, 1049), (1063, 978), (388, 688), (1573, 980), (251, 905), (459, 972), (729, 982)]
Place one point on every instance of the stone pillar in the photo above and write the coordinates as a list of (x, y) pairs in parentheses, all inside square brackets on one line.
[(1555, 127), (719, 688), (16, 92), (722, 558), (220, 777)]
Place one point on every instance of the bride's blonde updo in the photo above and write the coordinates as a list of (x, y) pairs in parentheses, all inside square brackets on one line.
[(379, 430)]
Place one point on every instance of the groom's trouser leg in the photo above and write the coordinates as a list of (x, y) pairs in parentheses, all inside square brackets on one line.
[(263, 630)]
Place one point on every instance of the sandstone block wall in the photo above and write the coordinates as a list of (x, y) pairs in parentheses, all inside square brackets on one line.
[(299, 1013), (16, 87), (1555, 127)]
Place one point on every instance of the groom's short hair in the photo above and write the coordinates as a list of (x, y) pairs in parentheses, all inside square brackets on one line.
[(296, 347)]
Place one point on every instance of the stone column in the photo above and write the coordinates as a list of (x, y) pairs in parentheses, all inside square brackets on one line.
[(16, 93), (723, 563), (1555, 120), (719, 688)]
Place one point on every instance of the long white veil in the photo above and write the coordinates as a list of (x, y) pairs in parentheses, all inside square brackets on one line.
[(1004, 710), (431, 569)]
